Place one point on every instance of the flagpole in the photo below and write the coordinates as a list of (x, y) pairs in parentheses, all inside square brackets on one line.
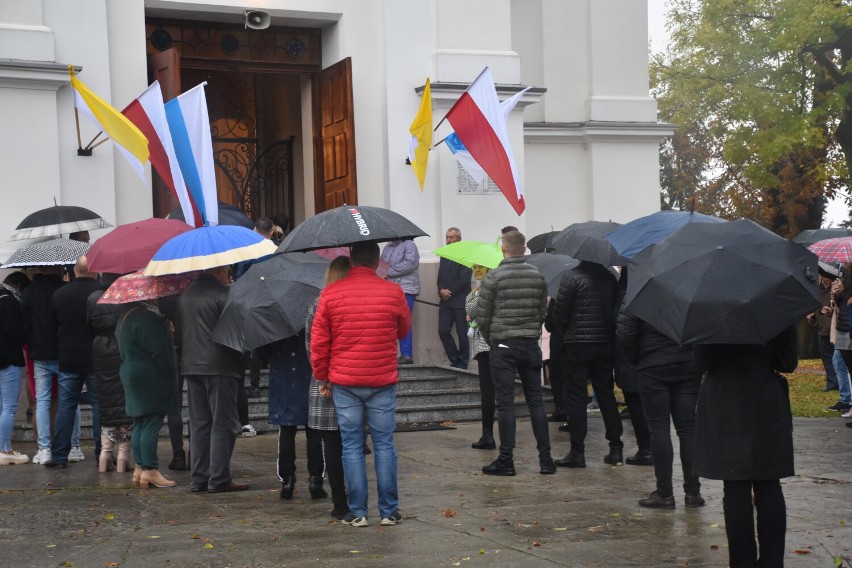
[(89, 145), (90, 148), (457, 102)]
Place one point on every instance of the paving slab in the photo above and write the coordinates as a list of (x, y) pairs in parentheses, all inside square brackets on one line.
[(454, 516)]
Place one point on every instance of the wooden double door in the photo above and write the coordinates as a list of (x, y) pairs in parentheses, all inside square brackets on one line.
[(256, 117)]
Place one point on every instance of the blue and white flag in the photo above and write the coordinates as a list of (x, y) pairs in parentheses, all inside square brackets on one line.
[(189, 123)]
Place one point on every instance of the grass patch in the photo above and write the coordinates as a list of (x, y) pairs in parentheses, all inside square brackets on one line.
[(806, 396)]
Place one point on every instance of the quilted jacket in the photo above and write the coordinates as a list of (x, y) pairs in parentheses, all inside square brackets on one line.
[(584, 304), (358, 322), (512, 301)]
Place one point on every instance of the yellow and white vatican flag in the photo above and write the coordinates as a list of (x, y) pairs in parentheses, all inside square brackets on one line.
[(129, 139), (421, 136)]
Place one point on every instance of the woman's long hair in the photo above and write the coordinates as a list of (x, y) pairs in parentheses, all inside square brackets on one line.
[(338, 269)]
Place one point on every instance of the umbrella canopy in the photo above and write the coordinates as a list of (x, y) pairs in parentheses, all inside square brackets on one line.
[(332, 253), (542, 242), (344, 226), (58, 220), (137, 287), (552, 266), (130, 247), (270, 301), (811, 236), (722, 283), (468, 253), (635, 236), (228, 215), (833, 250), (208, 247), (54, 252), (585, 241)]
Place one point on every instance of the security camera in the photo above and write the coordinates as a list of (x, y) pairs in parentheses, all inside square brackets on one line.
[(257, 20)]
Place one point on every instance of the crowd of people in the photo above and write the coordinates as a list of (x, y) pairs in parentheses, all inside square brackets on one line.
[(338, 379)]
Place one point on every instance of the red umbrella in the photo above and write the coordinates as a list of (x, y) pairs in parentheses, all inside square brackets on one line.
[(130, 247), (833, 250), (137, 287)]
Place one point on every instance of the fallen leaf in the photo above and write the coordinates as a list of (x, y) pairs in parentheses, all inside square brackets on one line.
[(714, 547), (111, 564), (153, 536), (560, 528), (354, 551), (481, 529), (66, 564), (842, 523), (714, 526), (598, 528), (110, 516), (482, 551), (51, 546), (449, 513), (456, 563), (801, 551), (196, 537), (208, 545), (466, 558), (536, 543), (838, 562)]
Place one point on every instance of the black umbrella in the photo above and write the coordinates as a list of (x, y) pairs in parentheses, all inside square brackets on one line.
[(270, 301), (228, 215), (585, 241), (53, 252), (811, 236), (344, 226), (732, 282), (58, 220), (542, 242), (553, 266)]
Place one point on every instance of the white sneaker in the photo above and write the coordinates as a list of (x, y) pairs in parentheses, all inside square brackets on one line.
[(76, 455), (248, 431), (13, 459), (42, 456), (847, 414)]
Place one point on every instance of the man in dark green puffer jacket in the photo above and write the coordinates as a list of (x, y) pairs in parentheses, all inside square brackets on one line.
[(511, 310)]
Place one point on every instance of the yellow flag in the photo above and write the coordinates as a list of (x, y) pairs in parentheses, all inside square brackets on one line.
[(131, 141), (421, 136)]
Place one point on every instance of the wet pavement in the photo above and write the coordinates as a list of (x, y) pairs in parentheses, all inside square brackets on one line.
[(454, 516)]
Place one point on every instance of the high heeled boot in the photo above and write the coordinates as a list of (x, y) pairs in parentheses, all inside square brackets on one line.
[(288, 486), (155, 478), (105, 459), (137, 475), (315, 487), (125, 457)]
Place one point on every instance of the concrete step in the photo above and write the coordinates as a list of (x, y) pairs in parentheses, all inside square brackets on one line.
[(433, 393)]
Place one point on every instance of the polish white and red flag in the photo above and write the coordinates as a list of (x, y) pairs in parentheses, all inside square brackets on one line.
[(148, 113), (480, 124)]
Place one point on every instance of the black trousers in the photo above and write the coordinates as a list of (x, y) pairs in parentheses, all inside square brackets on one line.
[(176, 425), (287, 451), (557, 380), (524, 356), (449, 318), (583, 362), (739, 523), (486, 390), (332, 449), (669, 394), (633, 400)]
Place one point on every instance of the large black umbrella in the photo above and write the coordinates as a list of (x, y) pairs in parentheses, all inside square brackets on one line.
[(732, 282), (552, 266), (542, 242), (53, 252), (585, 241), (270, 301), (58, 220), (811, 236), (344, 226), (228, 215), (638, 234)]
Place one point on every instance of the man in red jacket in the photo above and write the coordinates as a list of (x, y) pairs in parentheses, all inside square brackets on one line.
[(353, 354)]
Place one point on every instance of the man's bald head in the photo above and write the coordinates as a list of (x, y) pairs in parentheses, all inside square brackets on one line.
[(81, 268)]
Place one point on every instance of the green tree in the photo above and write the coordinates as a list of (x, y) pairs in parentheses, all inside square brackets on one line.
[(766, 87)]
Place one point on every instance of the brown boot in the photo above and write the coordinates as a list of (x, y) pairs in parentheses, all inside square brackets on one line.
[(137, 475), (124, 461), (105, 459), (155, 478)]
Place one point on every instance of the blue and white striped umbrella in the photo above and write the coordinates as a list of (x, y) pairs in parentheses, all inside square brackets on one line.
[(208, 247)]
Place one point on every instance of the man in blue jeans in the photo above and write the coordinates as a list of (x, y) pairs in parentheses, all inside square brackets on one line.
[(76, 368), (359, 320)]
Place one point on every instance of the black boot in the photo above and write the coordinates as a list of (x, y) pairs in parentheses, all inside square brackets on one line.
[(641, 457), (486, 442), (178, 463), (315, 487), (287, 486), (614, 457)]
